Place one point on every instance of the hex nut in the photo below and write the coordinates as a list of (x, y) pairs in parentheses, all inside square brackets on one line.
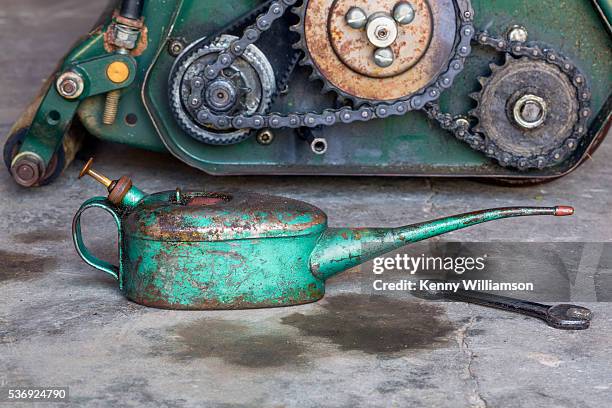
[(70, 85)]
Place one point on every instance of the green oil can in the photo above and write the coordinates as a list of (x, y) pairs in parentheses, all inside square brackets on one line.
[(215, 250)]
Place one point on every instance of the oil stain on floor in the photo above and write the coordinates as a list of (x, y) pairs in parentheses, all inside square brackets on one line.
[(23, 267), (42, 235), (377, 324), (236, 343), (372, 324)]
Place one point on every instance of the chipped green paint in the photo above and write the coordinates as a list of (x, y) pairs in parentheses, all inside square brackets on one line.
[(56, 113), (192, 250)]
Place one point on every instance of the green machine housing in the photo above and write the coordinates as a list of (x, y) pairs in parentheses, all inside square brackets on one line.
[(133, 79)]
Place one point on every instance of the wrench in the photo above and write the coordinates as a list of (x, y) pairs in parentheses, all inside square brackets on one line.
[(562, 316)]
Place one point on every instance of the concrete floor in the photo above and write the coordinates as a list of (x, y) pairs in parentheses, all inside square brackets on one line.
[(66, 324)]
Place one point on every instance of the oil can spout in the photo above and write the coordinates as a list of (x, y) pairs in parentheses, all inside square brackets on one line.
[(120, 192), (340, 249)]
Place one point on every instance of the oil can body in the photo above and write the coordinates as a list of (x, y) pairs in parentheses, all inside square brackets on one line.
[(238, 274)]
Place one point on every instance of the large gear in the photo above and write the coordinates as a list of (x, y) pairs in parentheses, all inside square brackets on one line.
[(345, 114), (365, 69)]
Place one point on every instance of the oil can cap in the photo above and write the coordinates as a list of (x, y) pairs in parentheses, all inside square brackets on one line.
[(200, 217)]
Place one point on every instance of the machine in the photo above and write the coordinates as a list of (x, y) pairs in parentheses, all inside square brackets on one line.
[(515, 90)]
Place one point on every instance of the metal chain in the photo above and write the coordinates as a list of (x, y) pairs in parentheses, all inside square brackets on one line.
[(426, 100), (460, 125), (330, 117)]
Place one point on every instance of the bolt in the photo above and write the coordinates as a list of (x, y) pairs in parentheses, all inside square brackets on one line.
[(382, 33), (356, 18), (383, 57), (518, 33), (381, 30), (27, 169), (111, 107), (403, 13), (530, 111), (265, 137), (175, 47), (70, 85), (462, 123)]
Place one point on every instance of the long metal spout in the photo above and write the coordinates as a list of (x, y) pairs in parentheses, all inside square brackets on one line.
[(340, 249)]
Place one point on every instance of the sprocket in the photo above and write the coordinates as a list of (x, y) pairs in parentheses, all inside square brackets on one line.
[(247, 86), (527, 112), (344, 58)]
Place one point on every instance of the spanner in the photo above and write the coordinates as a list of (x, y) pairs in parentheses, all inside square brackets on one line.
[(562, 316)]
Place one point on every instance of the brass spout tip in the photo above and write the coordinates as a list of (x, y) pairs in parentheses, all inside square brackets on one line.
[(100, 178), (563, 211), (86, 168)]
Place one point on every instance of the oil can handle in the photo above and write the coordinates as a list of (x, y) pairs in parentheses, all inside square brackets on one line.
[(103, 203)]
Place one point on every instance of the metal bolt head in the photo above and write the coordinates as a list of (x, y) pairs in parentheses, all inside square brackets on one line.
[(403, 13), (175, 48), (356, 18), (381, 30), (265, 137), (530, 111), (124, 36), (518, 34), (70, 85), (383, 57), (462, 123), (27, 169)]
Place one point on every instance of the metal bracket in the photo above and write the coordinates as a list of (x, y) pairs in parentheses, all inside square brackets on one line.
[(55, 113)]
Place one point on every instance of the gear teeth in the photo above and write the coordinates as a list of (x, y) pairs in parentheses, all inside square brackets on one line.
[(300, 12), (325, 89), (304, 61)]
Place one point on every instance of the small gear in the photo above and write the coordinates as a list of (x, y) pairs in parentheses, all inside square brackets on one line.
[(527, 112), (246, 86)]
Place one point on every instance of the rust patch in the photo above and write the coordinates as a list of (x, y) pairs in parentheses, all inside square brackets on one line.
[(246, 215), (428, 54), (152, 297), (353, 48), (141, 45), (119, 190), (377, 324)]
